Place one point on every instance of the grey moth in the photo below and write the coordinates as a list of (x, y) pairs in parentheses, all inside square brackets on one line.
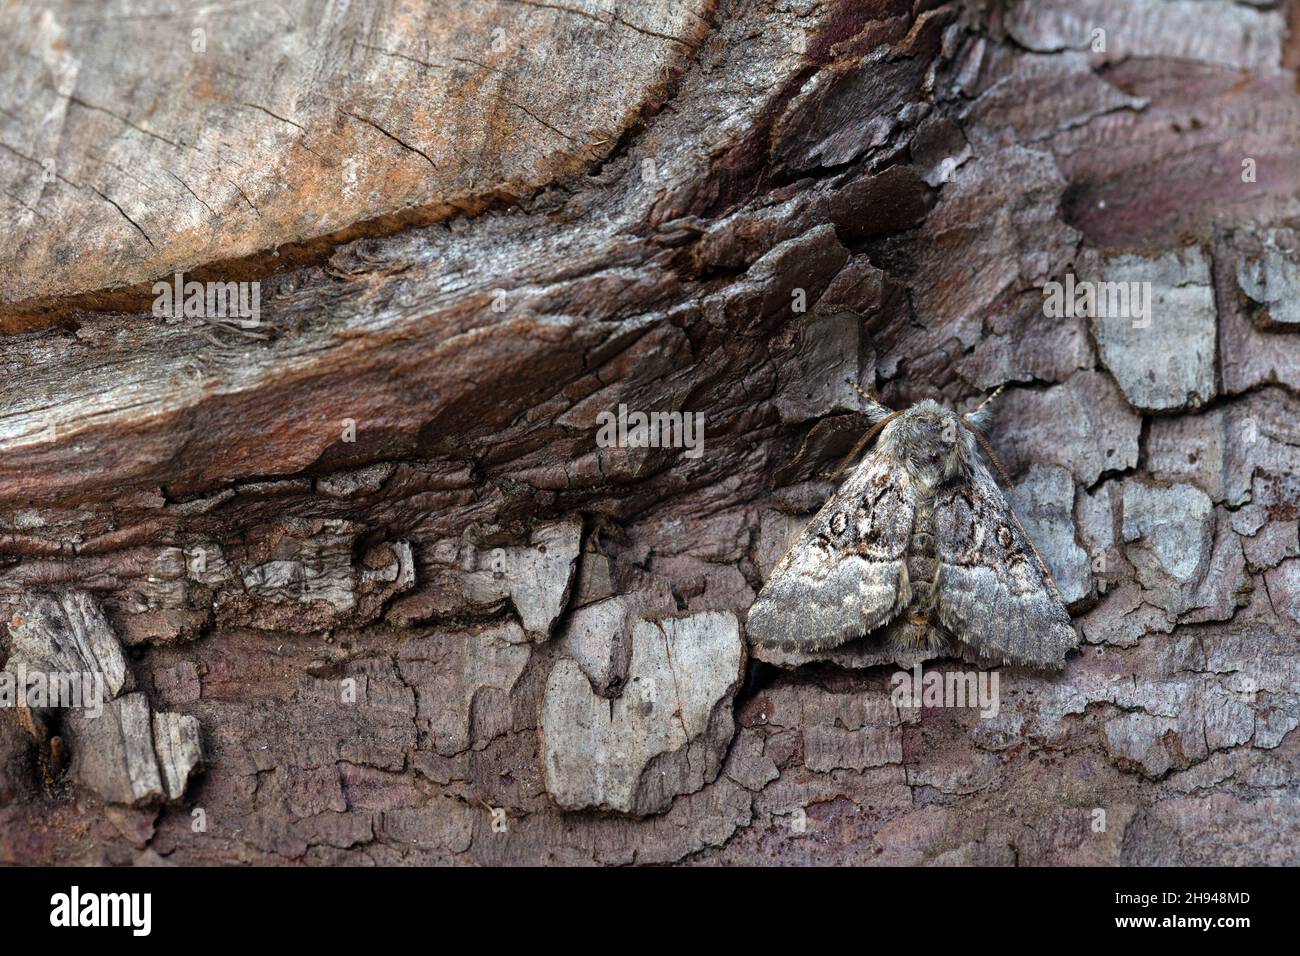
[(920, 545)]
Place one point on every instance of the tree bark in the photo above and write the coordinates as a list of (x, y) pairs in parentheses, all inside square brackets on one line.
[(374, 592)]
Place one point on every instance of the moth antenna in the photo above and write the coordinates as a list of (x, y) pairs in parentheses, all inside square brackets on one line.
[(874, 410), (861, 391), (988, 450), (992, 395)]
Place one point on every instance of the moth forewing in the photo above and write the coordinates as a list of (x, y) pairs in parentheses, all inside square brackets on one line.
[(994, 594), (841, 577)]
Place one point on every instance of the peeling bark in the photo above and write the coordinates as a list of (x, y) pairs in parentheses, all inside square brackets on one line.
[(366, 586)]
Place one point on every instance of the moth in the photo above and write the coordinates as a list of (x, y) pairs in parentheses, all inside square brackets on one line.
[(920, 544)]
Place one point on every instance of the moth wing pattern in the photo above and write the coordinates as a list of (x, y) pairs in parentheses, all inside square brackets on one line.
[(993, 594), (845, 573)]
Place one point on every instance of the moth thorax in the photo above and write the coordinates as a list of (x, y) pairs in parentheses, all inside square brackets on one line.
[(924, 475), (933, 467)]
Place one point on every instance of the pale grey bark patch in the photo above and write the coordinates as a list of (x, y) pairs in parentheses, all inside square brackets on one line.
[(1163, 359), (1083, 425), (664, 736), (1268, 275), (537, 579), (1044, 502)]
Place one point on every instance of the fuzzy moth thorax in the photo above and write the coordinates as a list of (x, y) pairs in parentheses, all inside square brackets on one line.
[(932, 442)]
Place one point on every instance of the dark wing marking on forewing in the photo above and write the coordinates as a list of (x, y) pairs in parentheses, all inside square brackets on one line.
[(843, 576), (994, 595)]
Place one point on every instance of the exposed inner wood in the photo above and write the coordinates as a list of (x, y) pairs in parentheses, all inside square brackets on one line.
[(141, 141)]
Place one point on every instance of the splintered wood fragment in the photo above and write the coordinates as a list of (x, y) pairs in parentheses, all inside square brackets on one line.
[(118, 750), (69, 635), (176, 742), (113, 754)]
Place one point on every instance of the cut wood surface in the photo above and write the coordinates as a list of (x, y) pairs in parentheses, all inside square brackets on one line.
[(139, 138), (378, 594)]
